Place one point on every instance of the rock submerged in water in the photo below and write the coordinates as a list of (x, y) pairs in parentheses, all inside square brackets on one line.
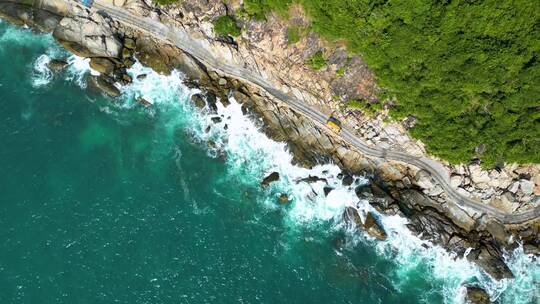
[(476, 295), (273, 177), (283, 198), (103, 84), (57, 64), (144, 102)]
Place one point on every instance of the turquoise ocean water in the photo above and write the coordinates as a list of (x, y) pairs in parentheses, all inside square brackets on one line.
[(104, 201)]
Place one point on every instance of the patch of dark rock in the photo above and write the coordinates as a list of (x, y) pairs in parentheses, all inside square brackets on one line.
[(244, 110), (211, 100), (492, 265), (198, 101), (273, 177), (141, 76), (347, 180), (476, 295), (312, 179), (351, 217), (363, 192), (216, 119), (207, 130), (525, 175), (57, 64), (327, 190), (226, 127), (126, 79), (283, 198), (211, 144), (227, 40), (129, 62)]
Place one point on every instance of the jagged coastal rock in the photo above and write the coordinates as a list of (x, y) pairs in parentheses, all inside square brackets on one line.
[(394, 188)]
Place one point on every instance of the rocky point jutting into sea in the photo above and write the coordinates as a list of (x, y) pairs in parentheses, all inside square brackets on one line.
[(396, 187)]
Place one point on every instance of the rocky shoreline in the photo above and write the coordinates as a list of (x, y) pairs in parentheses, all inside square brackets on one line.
[(395, 188)]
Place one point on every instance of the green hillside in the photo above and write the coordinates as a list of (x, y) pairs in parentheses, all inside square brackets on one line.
[(468, 70)]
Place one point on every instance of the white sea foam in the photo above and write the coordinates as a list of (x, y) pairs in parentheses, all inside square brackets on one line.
[(251, 155), (41, 74)]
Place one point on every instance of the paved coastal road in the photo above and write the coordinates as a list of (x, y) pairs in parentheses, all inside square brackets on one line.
[(179, 38)]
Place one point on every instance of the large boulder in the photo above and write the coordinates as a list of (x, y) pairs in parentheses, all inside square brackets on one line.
[(102, 65), (476, 295), (19, 14), (490, 260), (351, 217), (272, 177), (374, 228), (88, 37), (103, 84)]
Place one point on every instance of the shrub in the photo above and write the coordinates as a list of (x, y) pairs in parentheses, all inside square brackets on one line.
[(317, 61), (293, 34), (226, 25)]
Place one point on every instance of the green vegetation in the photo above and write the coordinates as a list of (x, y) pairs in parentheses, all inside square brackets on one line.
[(259, 8), (364, 106), (467, 69), (341, 72), (226, 25), (167, 2), (293, 34), (317, 61)]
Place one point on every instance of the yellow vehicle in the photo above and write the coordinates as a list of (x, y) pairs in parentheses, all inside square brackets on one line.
[(334, 124)]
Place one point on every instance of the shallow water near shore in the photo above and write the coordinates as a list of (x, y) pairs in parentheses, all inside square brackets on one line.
[(105, 201)]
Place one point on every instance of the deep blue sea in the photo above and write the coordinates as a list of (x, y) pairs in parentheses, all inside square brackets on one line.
[(105, 201)]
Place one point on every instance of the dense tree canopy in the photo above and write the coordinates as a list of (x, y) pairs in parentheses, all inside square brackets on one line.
[(467, 69)]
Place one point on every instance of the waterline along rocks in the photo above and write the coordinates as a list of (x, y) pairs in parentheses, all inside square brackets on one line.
[(395, 188)]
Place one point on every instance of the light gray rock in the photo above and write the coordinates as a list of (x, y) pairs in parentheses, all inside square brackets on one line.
[(88, 37), (479, 176), (514, 187), (526, 186), (456, 180)]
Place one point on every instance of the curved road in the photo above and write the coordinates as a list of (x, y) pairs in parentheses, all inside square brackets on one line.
[(181, 39)]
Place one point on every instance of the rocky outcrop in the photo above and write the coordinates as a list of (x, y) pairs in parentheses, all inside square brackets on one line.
[(104, 84), (272, 177), (88, 36), (476, 295), (371, 225)]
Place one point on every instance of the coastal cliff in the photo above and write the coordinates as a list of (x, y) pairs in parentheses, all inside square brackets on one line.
[(396, 188)]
